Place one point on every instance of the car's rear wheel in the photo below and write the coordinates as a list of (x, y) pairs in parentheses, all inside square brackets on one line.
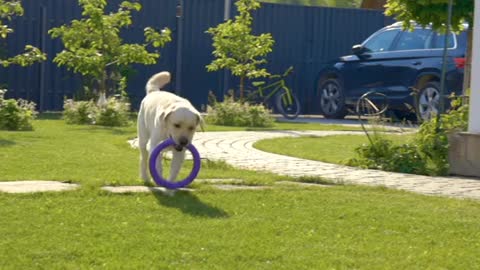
[(428, 101), (332, 99)]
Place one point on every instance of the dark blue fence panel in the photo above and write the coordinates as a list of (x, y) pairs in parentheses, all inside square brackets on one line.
[(157, 14), (305, 37), (20, 81), (48, 85), (308, 37), (197, 49)]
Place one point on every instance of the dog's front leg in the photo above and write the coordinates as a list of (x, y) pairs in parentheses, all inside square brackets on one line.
[(154, 141), (177, 160), (142, 145)]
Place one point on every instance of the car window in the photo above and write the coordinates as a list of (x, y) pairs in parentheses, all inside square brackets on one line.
[(438, 41), (415, 40), (381, 42)]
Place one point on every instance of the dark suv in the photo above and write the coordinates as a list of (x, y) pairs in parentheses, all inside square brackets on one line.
[(394, 62)]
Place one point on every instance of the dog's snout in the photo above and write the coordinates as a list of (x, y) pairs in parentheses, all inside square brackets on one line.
[(183, 141)]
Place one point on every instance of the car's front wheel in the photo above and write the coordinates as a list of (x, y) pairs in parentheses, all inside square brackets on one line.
[(429, 101), (332, 99)]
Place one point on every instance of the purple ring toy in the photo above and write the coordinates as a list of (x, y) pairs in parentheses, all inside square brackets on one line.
[(163, 182)]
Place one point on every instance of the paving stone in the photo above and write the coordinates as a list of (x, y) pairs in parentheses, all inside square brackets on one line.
[(220, 181), (241, 187), (303, 184), (35, 186), (141, 189)]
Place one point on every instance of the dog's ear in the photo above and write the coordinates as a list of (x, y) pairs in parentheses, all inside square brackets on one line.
[(167, 112), (200, 122)]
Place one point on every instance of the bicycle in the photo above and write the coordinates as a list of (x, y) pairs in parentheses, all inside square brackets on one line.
[(286, 102)]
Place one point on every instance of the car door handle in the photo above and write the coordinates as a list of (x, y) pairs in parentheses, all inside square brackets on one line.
[(416, 63)]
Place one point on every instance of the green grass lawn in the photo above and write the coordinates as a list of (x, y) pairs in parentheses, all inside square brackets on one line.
[(337, 227), (89, 155), (332, 149), (287, 126)]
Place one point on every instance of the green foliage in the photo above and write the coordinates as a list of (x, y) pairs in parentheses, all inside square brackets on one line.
[(238, 113), (93, 46), (31, 55), (383, 154), (114, 113), (428, 152), (79, 112), (432, 137), (16, 115), (236, 49), (432, 12)]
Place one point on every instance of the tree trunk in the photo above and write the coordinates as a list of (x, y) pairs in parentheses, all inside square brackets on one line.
[(373, 4), (242, 85), (102, 91), (468, 61)]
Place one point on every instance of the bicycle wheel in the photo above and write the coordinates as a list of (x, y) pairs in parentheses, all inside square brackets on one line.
[(289, 107)]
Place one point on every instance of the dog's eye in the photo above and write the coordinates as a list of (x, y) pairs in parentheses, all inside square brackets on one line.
[(191, 128), (176, 125)]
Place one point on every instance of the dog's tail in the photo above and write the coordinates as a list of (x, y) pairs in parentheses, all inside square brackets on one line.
[(157, 81)]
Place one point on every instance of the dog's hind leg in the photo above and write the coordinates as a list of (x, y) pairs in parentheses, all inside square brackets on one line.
[(142, 145), (177, 160), (143, 135)]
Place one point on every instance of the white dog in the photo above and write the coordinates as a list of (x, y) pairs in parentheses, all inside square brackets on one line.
[(165, 115)]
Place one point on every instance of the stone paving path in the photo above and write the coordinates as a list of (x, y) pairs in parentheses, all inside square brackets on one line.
[(236, 148)]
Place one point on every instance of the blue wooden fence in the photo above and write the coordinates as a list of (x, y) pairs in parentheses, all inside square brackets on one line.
[(305, 37)]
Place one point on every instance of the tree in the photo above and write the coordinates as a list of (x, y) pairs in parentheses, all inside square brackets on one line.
[(94, 48), (236, 49), (8, 10), (434, 13)]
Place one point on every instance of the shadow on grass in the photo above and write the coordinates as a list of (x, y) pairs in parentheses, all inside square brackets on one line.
[(50, 116), (102, 129), (6, 143), (189, 204)]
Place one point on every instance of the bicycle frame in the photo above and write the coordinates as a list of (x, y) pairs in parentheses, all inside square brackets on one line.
[(280, 84)]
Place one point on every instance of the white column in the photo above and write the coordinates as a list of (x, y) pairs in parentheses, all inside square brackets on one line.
[(474, 117)]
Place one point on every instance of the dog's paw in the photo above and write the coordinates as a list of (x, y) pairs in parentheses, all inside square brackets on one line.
[(170, 192), (147, 182)]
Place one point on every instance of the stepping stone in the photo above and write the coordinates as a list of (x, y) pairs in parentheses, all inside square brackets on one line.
[(303, 184), (220, 181), (35, 186), (141, 189), (240, 187)]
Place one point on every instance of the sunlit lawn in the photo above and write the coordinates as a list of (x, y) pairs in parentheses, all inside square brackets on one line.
[(335, 227), (333, 149), (287, 126)]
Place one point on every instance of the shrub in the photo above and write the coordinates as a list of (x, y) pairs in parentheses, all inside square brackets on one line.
[(432, 137), (383, 154), (427, 154), (16, 114), (114, 113), (79, 112), (235, 113)]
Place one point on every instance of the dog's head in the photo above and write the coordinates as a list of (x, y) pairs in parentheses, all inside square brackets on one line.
[(182, 122)]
